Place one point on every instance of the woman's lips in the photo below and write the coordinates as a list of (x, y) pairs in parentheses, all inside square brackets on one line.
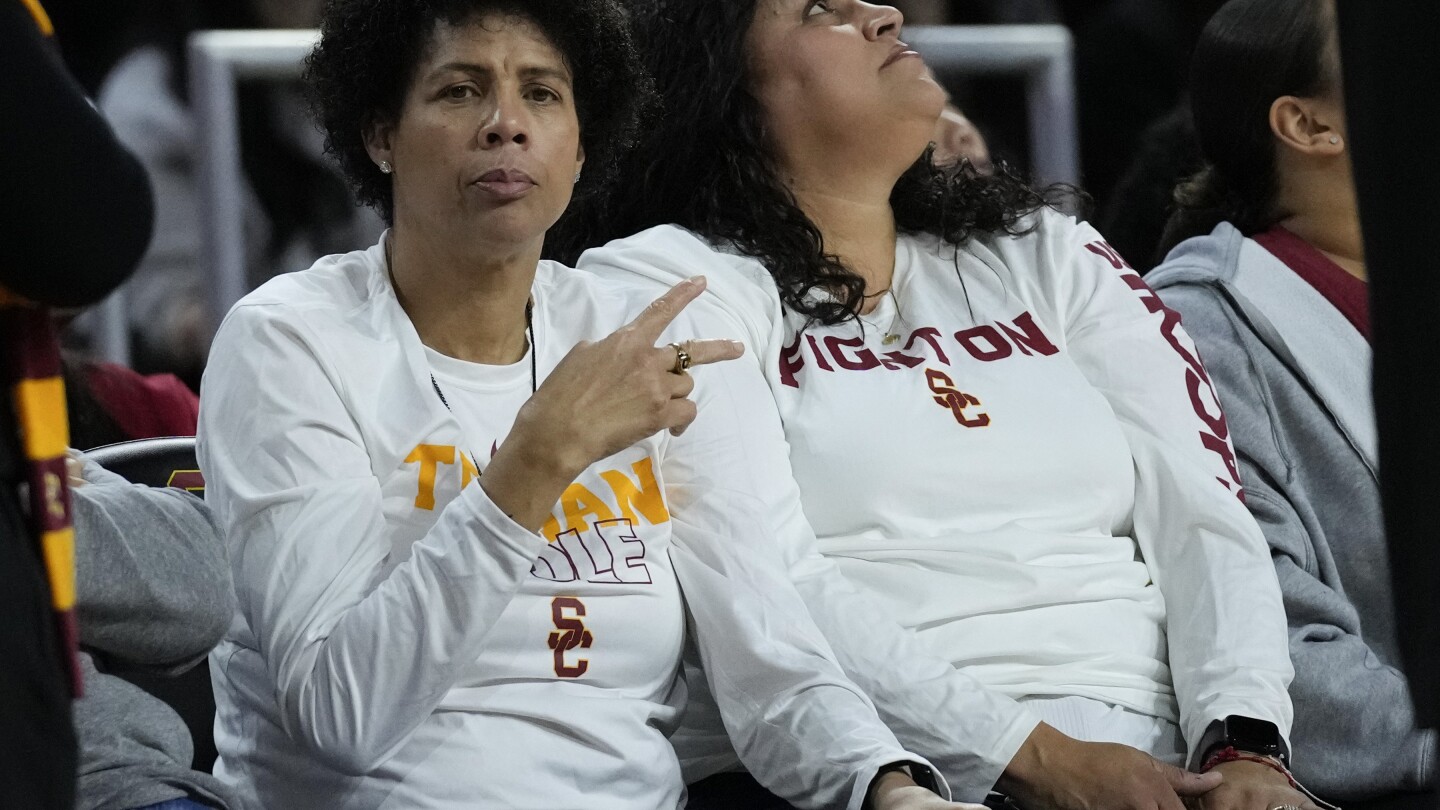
[(902, 51), (505, 184)]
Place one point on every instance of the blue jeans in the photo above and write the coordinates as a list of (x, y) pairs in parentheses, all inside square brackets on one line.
[(177, 804)]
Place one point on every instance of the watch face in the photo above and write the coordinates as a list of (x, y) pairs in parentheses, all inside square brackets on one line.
[(1255, 736)]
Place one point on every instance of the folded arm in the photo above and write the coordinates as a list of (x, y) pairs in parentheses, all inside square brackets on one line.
[(360, 655), (153, 586)]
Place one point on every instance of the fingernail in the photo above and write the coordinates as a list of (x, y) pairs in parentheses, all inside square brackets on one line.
[(737, 345), (695, 280)]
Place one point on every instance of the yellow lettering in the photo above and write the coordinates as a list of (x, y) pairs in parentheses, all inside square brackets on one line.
[(645, 498), (577, 502), (430, 456)]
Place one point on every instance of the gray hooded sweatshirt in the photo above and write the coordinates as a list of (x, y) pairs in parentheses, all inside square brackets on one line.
[(1293, 375), (153, 591)]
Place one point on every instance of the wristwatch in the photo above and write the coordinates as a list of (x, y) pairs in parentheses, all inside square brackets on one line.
[(1245, 734)]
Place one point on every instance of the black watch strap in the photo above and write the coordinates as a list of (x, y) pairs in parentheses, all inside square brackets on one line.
[(1242, 733)]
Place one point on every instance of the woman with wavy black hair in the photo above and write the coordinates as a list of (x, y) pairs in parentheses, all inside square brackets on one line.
[(1268, 270), (999, 434), (471, 514)]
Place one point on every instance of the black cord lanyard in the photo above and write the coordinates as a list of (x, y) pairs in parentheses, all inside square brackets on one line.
[(534, 377), (529, 331)]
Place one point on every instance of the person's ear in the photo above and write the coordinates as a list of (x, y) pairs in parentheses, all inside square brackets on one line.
[(377, 137), (579, 161), (1307, 126)]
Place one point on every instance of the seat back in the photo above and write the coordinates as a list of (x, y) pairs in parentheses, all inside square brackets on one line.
[(166, 462), (169, 462)]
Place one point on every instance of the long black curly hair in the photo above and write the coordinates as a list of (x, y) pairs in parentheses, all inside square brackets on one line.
[(704, 164), (1251, 53), (369, 51)]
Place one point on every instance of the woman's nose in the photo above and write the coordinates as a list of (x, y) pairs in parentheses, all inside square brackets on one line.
[(506, 125), (881, 21)]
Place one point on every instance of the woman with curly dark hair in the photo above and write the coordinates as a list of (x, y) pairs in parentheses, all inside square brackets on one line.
[(998, 432), (460, 496)]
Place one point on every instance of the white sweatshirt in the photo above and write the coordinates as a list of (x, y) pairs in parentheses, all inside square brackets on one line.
[(401, 643), (1019, 455)]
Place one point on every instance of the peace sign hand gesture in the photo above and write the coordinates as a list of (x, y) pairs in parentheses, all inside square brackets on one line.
[(603, 397)]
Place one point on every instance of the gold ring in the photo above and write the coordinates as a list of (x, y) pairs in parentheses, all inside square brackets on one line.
[(682, 359)]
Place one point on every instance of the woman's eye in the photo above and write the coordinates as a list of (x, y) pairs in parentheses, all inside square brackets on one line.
[(544, 94), (459, 92), (818, 7)]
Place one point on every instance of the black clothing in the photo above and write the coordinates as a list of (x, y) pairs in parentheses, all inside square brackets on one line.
[(75, 217), (37, 741), (75, 206), (1385, 45)]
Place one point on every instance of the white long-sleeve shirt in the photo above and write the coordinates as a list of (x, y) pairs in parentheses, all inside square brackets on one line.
[(1019, 457), (401, 643)]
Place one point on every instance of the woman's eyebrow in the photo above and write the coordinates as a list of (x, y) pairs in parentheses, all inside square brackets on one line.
[(528, 72)]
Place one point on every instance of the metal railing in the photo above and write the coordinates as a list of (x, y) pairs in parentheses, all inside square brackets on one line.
[(219, 60), (1044, 56)]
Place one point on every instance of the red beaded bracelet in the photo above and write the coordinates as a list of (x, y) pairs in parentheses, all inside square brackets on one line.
[(1230, 754)]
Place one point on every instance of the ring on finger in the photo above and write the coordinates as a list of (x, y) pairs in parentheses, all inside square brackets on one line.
[(682, 360), (1286, 807)]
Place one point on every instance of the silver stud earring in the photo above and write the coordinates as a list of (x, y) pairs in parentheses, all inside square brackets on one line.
[(1335, 139), (577, 177), (385, 167)]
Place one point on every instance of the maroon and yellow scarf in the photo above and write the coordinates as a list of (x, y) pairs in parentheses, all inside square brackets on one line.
[(30, 375)]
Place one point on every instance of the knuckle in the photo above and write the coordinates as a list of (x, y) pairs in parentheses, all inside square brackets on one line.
[(655, 408)]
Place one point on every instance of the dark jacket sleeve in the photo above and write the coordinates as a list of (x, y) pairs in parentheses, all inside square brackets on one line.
[(152, 580), (1355, 733), (76, 212)]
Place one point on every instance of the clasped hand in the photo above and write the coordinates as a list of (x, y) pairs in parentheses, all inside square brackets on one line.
[(1056, 772)]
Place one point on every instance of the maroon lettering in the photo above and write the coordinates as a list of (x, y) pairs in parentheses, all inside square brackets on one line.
[(1170, 323), (555, 563), (1216, 422), (1029, 337), (898, 360), (864, 359), (1109, 254), (602, 559), (634, 571), (569, 633), (999, 348), (791, 361), (948, 396), (930, 335), (1221, 448), (1197, 380), (819, 355)]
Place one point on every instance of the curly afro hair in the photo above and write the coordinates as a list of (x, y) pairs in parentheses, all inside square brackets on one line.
[(369, 50)]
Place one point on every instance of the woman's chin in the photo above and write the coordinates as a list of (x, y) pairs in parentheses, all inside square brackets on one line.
[(502, 232)]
